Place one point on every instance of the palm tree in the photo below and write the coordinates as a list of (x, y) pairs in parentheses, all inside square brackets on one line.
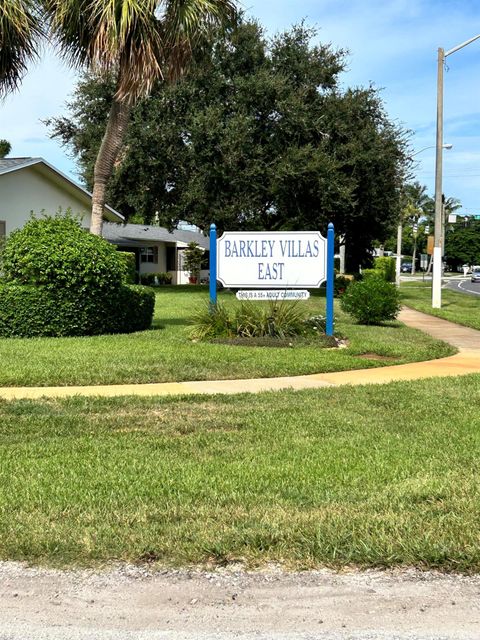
[(141, 41), (20, 31), (415, 206)]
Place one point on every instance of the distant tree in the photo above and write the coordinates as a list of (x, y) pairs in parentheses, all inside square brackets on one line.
[(257, 136), (462, 244), (416, 208), (5, 148)]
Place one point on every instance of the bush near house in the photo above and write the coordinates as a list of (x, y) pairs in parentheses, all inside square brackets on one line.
[(130, 266), (164, 278), (36, 311), (147, 279), (153, 279), (59, 280)]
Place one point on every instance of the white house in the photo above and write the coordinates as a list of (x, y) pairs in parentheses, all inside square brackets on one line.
[(157, 250), (33, 185)]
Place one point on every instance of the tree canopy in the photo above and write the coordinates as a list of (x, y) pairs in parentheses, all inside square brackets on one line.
[(462, 244), (258, 135), (5, 148)]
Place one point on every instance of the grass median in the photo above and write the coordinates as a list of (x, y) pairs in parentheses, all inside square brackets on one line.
[(367, 476), (167, 354), (457, 307)]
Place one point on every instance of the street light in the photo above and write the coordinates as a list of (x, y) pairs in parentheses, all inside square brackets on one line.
[(432, 146), (438, 232), (398, 264)]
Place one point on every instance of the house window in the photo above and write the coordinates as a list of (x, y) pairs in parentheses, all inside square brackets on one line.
[(3, 229), (149, 254), (171, 258)]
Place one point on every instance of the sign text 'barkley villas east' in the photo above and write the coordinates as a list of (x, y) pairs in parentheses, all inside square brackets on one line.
[(280, 259)]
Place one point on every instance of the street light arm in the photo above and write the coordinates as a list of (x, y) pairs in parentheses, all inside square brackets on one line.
[(432, 146), (460, 46)]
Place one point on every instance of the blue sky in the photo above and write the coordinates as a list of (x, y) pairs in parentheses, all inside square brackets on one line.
[(392, 44)]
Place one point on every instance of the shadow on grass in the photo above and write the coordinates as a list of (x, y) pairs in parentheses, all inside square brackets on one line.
[(173, 322)]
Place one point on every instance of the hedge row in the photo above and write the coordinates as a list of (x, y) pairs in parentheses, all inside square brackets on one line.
[(383, 267), (35, 311)]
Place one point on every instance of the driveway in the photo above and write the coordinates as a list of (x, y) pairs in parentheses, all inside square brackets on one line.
[(130, 603)]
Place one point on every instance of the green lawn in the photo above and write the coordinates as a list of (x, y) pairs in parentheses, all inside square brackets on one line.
[(166, 353), (373, 476), (456, 307)]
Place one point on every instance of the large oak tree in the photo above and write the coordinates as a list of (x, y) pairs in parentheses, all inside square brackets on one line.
[(258, 135)]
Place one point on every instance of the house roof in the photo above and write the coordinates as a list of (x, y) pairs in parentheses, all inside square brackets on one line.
[(138, 235), (7, 165)]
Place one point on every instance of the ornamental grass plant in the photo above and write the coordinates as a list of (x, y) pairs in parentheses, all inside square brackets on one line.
[(252, 320)]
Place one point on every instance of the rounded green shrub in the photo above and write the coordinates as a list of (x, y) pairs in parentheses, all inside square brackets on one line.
[(372, 300), (55, 252), (59, 280)]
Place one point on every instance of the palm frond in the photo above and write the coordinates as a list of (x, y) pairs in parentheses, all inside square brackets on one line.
[(185, 23), (20, 31), (143, 40)]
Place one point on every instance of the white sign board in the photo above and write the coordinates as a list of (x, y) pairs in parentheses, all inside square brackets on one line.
[(261, 259), (275, 294)]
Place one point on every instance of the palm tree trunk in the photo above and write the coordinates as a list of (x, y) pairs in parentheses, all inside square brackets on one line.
[(109, 149)]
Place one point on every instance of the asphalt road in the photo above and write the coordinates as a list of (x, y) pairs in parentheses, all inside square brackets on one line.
[(464, 286)]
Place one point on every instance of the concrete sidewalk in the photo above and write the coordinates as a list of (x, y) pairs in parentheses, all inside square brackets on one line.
[(466, 361)]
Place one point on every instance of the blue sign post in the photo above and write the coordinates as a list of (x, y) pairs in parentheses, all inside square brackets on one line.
[(213, 265), (330, 277)]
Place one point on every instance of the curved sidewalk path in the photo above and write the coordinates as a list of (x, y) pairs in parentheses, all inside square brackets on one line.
[(466, 361)]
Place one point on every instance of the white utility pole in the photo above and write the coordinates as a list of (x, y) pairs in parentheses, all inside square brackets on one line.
[(438, 231)]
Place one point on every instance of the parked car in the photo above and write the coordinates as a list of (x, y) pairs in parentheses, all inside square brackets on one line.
[(406, 267), (475, 274)]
